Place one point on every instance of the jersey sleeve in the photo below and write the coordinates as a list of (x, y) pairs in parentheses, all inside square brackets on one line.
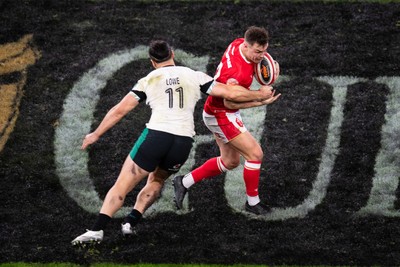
[(138, 91), (207, 87), (203, 78), (205, 82)]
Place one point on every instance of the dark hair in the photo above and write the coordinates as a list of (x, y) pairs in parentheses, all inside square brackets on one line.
[(256, 35), (159, 51)]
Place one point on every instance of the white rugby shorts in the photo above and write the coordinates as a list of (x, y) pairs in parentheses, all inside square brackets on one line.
[(225, 125)]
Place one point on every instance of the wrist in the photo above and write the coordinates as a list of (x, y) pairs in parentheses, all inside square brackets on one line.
[(261, 97), (96, 134)]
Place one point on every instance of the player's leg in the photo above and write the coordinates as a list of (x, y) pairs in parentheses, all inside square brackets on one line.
[(152, 190), (172, 159), (225, 127), (131, 174), (135, 168), (146, 197), (228, 160), (251, 150), (211, 168)]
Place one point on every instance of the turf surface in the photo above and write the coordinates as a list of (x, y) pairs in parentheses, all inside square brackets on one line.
[(331, 146)]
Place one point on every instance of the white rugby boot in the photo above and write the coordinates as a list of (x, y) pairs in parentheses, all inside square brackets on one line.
[(126, 229), (89, 237)]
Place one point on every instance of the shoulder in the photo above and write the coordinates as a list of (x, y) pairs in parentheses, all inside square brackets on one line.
[(238, 41), (233, 49)]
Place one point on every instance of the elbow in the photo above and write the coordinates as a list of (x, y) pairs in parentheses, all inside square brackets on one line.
[(118, 113)]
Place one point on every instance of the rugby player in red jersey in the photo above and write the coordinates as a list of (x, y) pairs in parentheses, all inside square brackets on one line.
[(222, 117)]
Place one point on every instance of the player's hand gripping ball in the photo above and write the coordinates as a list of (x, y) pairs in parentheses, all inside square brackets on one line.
[(267, 70)]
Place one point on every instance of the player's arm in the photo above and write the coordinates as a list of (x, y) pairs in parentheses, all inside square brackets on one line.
[(112, 117), (236, 93), (251, 104)]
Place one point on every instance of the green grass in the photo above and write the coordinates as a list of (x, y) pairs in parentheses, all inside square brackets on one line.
[(23, 264), (248, 1)]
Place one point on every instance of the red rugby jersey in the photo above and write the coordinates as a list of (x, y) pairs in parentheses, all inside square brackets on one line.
[(233, 65)]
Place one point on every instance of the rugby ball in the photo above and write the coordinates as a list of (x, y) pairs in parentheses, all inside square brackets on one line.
[(266, 71)]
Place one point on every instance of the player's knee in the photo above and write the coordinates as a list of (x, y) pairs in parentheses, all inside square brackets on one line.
[(259, 155), (231, 164), (256, 155)]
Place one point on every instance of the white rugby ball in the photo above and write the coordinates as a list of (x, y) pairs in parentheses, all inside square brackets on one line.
[(266, 71)]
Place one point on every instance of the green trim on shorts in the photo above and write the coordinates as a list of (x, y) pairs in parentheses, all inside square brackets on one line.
[(138, 143)]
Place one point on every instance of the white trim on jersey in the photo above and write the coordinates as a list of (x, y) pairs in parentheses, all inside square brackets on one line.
[(135, 96), (210, 88), (243, 56)]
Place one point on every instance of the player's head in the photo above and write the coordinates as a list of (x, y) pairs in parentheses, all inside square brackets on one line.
[(255, 43), (257, 35), (160, 51)]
